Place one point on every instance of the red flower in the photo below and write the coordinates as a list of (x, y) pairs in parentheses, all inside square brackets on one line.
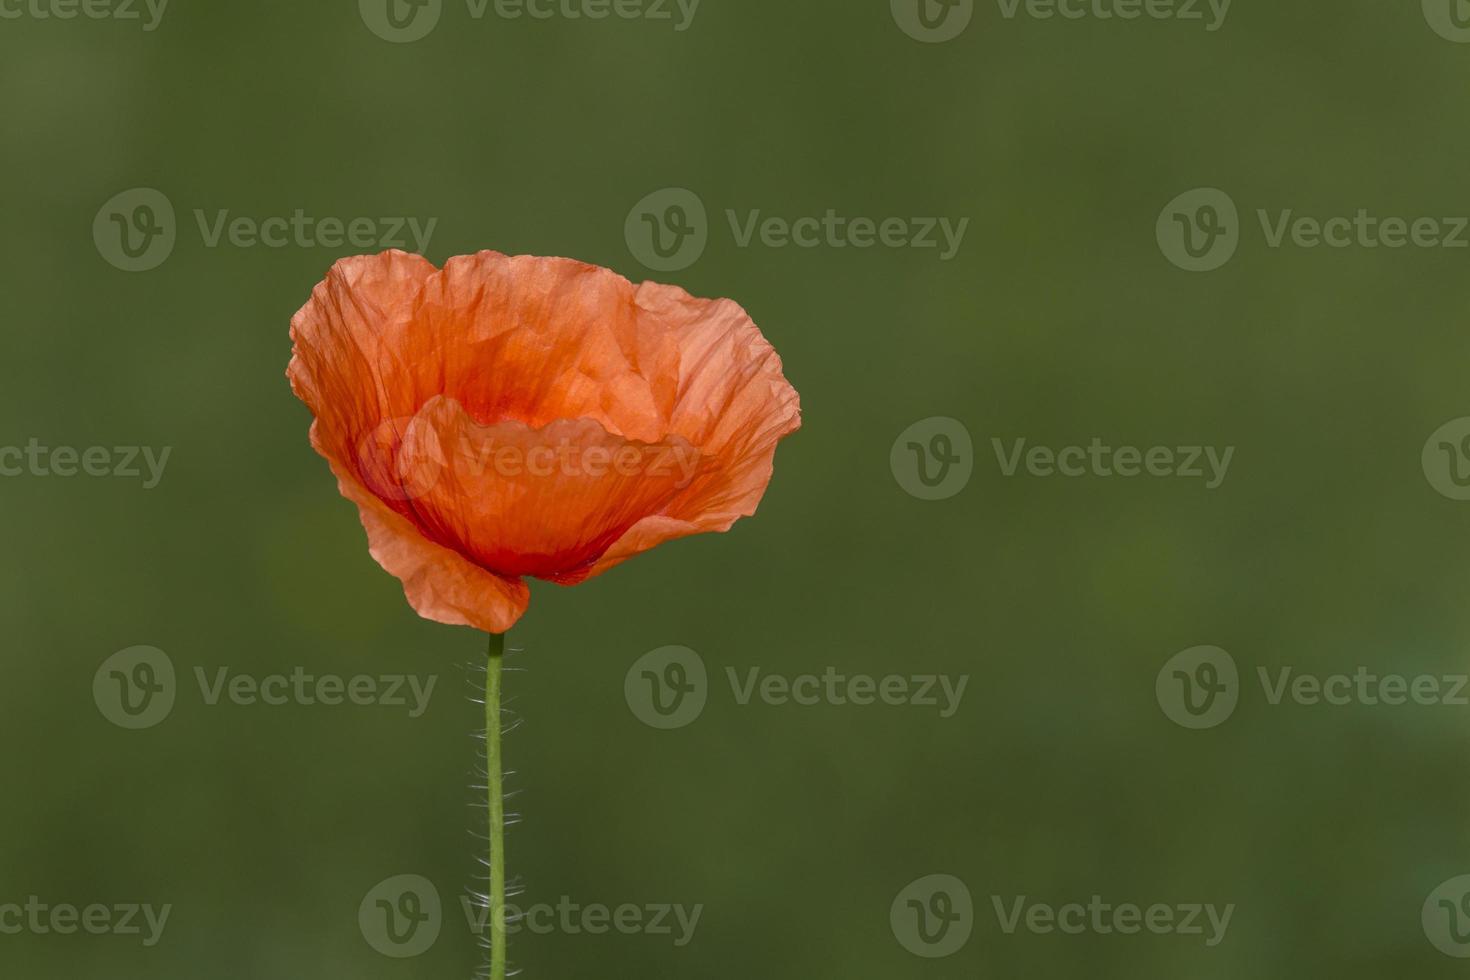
[(511, 417)]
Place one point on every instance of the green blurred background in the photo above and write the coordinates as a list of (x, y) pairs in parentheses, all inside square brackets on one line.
[(795, 827)]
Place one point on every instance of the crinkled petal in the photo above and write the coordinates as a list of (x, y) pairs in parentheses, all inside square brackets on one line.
[(439, 583), (436, 391), (534, 501), (732, 402)]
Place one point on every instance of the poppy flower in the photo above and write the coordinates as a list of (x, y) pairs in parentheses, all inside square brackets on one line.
[(521, 417)]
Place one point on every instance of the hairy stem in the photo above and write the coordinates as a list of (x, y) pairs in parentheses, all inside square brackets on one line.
[(496, 811)]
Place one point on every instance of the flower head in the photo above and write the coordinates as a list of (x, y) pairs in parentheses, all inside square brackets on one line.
[(505, 418)]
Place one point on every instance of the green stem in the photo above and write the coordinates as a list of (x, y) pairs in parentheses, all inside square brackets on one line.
[(493, 782)]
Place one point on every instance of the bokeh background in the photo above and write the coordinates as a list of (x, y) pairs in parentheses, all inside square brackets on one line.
[(795, 827)]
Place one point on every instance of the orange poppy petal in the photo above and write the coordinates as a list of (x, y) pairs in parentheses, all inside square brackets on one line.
[(439, 583), (436, 392), (541, 339), (350, 361), (733, 403), (533, 501)]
